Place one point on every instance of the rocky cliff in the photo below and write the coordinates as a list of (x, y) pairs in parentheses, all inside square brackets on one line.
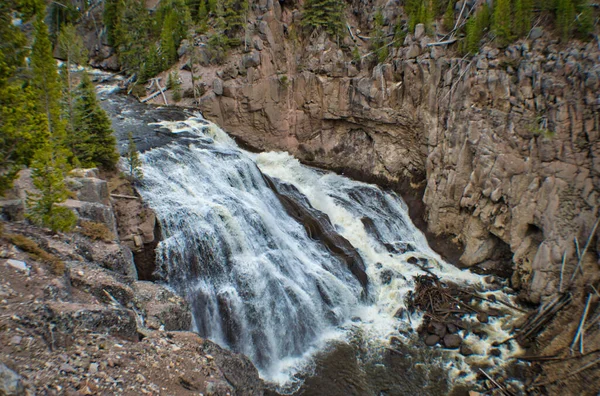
[(77, 319), (503, 147)]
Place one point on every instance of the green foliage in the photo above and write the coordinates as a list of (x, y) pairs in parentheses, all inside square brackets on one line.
[(379, 45), (355, 54), (565, 18), (134, 163), (585, 19), (523, 14), (110, 17), (146, 42), (73, 51), (49, 168), (475, 28), (501, 21), (202, 11), (61, 13), (174, 84), (45, 82), (420, 11), (324, 15), (449, 16), (92, 140), (212, 6)]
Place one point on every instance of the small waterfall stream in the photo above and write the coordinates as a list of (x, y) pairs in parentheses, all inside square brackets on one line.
[(261, 282)]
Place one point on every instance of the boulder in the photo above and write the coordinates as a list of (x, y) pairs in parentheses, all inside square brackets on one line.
[(251, 60), (89, 189), (101, 283), (161, 307), (465, 350), (11, 383), (432, 339), (70, 319), (452, 341), (218, 86)]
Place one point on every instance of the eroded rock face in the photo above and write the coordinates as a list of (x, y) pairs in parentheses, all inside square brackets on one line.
[(504, 145)]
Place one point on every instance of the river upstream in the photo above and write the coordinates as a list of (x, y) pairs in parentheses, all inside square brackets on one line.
[(304, 271)]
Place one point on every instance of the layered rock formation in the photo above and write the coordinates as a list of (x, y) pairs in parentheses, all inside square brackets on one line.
[(504, 145)]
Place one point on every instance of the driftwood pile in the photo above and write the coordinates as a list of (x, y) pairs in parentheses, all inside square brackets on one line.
[(445, 305)]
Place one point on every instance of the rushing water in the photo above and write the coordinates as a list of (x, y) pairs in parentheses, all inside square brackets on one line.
[(262, 283)]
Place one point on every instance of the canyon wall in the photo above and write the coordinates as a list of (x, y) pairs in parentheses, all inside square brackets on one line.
[(504, 146)]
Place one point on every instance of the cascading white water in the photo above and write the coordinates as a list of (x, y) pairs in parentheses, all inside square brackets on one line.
[(257, 283)]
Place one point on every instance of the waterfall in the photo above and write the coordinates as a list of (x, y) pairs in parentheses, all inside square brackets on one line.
[(262, 279)]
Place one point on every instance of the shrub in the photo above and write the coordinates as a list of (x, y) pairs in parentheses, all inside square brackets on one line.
[(37, 253), (97, 231)]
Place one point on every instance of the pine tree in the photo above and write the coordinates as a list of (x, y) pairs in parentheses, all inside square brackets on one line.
[(168, 49), (565, 18), (48, 172), (92, 141), (202, 11), (111, 19), (523, 11), (501, 22), (212, 6), (73, 51), (449, 16), (45, 81), (134, 164), (585, 19), (379, 45), (327, 15)]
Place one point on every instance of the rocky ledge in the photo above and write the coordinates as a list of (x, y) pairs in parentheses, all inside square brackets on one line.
[(75, 319)]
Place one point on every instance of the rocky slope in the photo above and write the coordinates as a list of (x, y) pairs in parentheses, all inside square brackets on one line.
[(75, 319), (502, 148)]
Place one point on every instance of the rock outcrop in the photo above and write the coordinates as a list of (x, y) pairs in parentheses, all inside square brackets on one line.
[(503, 147), (92, 330)]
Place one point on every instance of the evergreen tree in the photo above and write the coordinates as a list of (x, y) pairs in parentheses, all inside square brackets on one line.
[(92, 141), (48, 172), (212, 6), (73, 51), (565, 18), (501, 22), (327, 15), (168, 49), (585, 19), (449, 16), (45, 81), (111, 19), (379, 43), (134, 164), (202, 11), (523, 11), (19, 120)]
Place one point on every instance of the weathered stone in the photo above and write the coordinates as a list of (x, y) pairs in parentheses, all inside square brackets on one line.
[(70, 318), (465, 350), (452, 341), (432, 339), (18, 265), (217, 86), (536, 33), (251, 60), (161, 307), (11, 383), (419, 31)]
